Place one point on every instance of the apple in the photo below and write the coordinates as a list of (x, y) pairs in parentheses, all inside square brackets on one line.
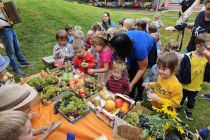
[(118, 102), (82, 92)]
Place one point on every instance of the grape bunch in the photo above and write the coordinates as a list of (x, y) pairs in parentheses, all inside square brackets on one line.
[(133, 117), (50, 80), (57, 106), (37, 82), (72, 106), (143, 122), (50, 92)]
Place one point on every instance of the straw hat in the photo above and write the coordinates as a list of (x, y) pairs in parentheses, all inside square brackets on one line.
[(4, 62), (15, 96)]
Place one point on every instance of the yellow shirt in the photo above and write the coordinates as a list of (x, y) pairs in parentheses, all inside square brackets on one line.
[(197, 73), (169, 91)]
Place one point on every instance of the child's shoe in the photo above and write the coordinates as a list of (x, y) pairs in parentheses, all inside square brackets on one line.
[(188, 113)]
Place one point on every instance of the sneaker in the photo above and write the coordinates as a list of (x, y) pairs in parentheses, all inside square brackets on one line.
[(188, 114), (205, 96), (20, 73), (27, 64)]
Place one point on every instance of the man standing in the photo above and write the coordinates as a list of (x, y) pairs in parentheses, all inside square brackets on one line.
[(12, 45), (201, 25)]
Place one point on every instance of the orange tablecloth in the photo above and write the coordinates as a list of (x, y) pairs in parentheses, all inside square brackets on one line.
[(88, 128)]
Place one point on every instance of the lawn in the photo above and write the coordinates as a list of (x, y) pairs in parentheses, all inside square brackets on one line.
[(42, 18)]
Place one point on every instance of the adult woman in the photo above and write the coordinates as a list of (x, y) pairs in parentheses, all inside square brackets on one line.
[(106, 21), (140, 50)]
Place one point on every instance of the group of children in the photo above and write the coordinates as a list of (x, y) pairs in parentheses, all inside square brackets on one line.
[(173, 79)]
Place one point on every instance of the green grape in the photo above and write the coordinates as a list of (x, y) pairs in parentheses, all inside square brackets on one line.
[(50, 80)]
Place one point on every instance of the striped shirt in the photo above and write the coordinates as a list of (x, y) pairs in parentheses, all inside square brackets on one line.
[(118, 86)]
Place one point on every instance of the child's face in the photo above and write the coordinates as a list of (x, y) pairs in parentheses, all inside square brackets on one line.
[(116, 74), (62, 41), (89, 35), (164, 73), (80, 52), (97, 48), (69, 32), (26, 132)]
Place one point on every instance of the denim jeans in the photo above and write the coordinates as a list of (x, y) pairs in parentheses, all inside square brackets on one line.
[(204, 133), (12, 46)]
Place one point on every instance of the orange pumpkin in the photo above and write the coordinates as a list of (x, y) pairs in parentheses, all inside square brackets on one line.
[(109, 105)]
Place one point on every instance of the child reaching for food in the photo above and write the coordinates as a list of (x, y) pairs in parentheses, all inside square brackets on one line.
[(62, 51), (167, 89), (82, 60), (99, 44)]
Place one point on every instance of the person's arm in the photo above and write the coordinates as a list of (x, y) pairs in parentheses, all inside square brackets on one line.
[(142, 69), (92, 62), (206, 53), (101, 70)]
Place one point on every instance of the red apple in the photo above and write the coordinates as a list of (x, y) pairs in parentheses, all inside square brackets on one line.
[(118, 102), (82, 92)]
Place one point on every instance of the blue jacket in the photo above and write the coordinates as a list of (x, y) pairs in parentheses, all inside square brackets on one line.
[(184, 73)]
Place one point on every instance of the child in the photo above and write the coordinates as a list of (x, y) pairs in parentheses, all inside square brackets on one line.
[(62, 51), (77, 27), (98, 43), (173, 46), (16, 125), (78, 34), (4, 62), (167, 89), (69, 30), (158, 23), (152, 29), (111, 32), (97, 27), (157, 38), (118, 83), (191, 72), (82, 60), (120, 22), (128, 24), (89, 35), (141, 25)]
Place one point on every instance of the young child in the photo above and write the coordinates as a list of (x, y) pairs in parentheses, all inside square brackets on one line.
[(120, 22), (152, 29), (128, 24), (157, 39), (62, 51), (167, 89), (78, 34), (97, 27), (111, 32), (82, 60), (69, 30), (158, 23), (99, 44), (16, 125), (141, 25), (117, 82), (191, 72), (173, 46), (89, 35)]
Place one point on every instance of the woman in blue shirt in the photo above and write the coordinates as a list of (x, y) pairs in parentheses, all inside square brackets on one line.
[(140, 50), (106, 21)]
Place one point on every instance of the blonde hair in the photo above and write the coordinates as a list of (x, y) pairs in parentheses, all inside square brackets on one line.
[(119, 65), (156, 36), (172, 45), (90, 32), (122, 30), (99, 38), (79, 33), (112, 31), (77, 27), (157, 15), (128, 24), (10, 124), (78, 44)]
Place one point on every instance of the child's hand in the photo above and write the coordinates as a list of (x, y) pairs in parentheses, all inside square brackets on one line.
[(153, 97), (84, 65), (146, 85), (91, 71)]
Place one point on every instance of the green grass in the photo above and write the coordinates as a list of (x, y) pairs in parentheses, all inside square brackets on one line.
[(42, 18)]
